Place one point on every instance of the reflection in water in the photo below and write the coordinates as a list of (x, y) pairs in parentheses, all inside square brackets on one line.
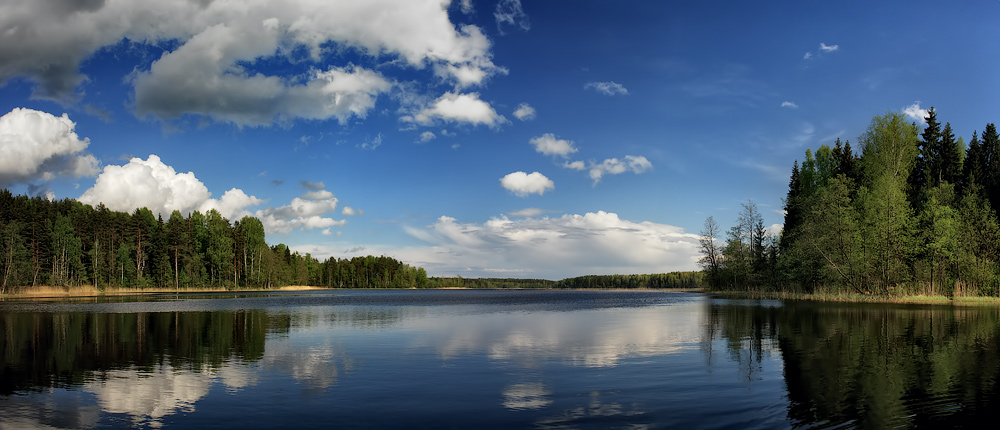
[(528, 395), (588, 338), (597, 413), (413, 358), (149, 395), (874, 366)]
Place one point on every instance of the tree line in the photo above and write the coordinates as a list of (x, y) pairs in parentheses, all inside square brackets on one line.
[(68, 243), (656, 280), (915, 212)]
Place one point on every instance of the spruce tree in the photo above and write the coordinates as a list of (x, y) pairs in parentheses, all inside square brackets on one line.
[(928, 158), (950, 165), (793, 210), (973, 168)]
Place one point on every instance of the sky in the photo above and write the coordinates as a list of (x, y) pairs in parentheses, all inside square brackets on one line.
[(512, 138)]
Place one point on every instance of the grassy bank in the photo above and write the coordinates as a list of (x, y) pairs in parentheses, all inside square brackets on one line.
[(91, 291), (858, 298)]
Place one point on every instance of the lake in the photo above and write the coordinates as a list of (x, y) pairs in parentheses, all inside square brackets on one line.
[(492, 359)]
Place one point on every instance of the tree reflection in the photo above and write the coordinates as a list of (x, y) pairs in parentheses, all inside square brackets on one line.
[(67, 349), (872, 366)]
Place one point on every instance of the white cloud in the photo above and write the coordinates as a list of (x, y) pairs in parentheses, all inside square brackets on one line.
[(788, 104), (548, 144), (510, 12), (349, 211), (212, 70), (524, 112), (575, 165), (427, 136), (807, 55), (828, 48), (147, 183), (607, 88), (527, 212), (522, 184), (152, 184), (916, 113), (612, 166), (454, 107), (554, 248), (38, 146)]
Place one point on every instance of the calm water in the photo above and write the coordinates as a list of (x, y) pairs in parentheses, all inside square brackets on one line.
[(492, 359)]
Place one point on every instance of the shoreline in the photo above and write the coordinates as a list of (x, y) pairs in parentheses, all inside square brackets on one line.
[(858, 298), (47, 292)]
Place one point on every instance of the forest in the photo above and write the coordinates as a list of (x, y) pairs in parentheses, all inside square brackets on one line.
[(67, 243), (914, 212), (656, 280)]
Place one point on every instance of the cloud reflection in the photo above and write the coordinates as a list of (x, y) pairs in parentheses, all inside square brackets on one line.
[(149, 395), (588, 338), (530, 395)]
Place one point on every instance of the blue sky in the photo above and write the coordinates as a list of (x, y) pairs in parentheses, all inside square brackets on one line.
[(498, 138)]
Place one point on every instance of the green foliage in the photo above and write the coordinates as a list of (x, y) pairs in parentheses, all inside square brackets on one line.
[(66, 243), (911, 215)]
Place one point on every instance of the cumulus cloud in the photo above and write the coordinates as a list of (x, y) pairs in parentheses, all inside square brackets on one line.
[(455, 107), (790, 105), (554, 248), (548, 144), (510, 12), (427, 136), (152, 184), (38, 146), (607, 88), (524, 112), (210, 66), (522, 184), (916, 113), (612, 166)]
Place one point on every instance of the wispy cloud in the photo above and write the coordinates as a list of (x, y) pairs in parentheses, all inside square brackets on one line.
[(510, 12), (610, 88), (790, 105), (823, 49)]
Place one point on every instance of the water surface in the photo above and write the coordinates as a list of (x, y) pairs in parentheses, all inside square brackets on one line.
[(491, 359)]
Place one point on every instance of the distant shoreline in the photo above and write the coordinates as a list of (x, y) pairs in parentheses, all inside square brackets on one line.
[(46, 292)]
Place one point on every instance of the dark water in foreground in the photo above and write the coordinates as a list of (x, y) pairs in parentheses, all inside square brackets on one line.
[(494, 359)]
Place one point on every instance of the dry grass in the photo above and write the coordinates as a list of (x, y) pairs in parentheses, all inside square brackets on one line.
[(863, 298)]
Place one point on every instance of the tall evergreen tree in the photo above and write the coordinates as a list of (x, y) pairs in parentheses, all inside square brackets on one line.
[(793, 210), (991, 151), (973, 169), (927, 159), (949, 165)]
